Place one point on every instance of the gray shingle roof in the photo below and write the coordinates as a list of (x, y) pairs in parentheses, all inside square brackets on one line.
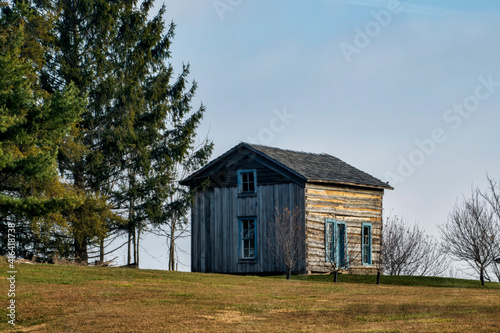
[(319, 167), (308, 166)]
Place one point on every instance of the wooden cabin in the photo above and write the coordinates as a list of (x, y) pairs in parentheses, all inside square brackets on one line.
[(237, 195)]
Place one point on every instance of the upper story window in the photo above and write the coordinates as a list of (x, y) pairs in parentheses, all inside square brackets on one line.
[(247, 181)]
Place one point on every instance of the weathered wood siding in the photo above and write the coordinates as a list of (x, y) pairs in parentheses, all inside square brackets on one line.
[(228, 176), (215, 213), (352, 205)]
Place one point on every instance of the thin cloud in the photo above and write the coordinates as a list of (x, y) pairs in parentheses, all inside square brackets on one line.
[(409, 7)]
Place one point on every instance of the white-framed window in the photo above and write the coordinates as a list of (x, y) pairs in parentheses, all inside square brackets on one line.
[(247, 237), (247, 181)]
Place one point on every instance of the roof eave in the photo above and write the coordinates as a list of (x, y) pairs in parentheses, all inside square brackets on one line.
[(388, 187), (199, 174)]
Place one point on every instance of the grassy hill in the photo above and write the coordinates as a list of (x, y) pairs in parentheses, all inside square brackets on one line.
[(52, 298)]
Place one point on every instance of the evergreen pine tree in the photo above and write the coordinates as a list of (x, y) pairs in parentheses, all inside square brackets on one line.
[(138, 122), (34, 126)]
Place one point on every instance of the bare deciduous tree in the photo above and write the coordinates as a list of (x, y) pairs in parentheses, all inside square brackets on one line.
[(172, 222), (470, 233), (492, 196), (339, 253), (288, 237), (496, 268), (407, 250), (172, 230)]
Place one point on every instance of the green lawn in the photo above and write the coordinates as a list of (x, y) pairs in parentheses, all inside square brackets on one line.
[(401, 281)]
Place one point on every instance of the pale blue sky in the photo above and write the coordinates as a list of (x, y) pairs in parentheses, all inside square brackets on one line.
[(253, 58)]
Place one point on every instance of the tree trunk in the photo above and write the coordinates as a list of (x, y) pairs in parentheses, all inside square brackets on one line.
[(134, 254), (131, 229), (378, 277), (335, 276), (481, 277), (137, 247), (171, 259), (288, 274), (171, 256), (81, 255), (101, 252), (129, 248)]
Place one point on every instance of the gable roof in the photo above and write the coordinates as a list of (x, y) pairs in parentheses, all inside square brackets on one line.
[(309, 167)]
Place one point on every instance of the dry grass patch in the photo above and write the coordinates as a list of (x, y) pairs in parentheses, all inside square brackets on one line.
[(87, 299)]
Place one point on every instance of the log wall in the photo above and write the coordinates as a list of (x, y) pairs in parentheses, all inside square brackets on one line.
[(352, 205)]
